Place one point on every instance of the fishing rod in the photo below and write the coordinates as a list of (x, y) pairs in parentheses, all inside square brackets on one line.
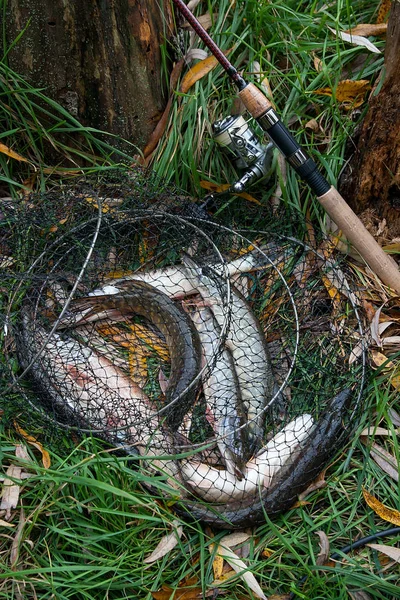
[(262, 110)]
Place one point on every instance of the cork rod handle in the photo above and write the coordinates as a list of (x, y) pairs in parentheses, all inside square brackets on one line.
[(381, 263)]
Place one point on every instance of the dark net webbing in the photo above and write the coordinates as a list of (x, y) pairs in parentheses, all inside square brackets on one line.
[(231, 363)]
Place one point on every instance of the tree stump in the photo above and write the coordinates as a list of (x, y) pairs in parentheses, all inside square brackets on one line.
[(101, 60), (371, 182)]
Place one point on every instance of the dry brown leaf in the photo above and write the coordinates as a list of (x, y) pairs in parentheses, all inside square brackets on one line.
[(15, 546), (312, 124), (377, 431), (324, 545), (366, 29), (374, 327), (6, 524), (350, 93), (6, 150), (394, 417), (205, 21), (197, 72), (317, 484), (385, 460), (241, 568), (383, 10), (318, 64), (384, 512), (390, 551), (167, 543), (33, 442), (215, 187), (10, 490), (380, 360), (356, 40), (359, 595)]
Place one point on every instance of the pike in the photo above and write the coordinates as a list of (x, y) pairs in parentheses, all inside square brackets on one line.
[(245, 340), (222, 393), (180, 333), (88, 390), (310, 457), (174, 280), (264, 112), (217, 485)]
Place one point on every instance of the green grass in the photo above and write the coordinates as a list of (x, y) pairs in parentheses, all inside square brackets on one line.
[(88, 522)]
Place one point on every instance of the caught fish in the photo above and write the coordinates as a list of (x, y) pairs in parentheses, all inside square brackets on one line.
[(222, 393), (303, 467), (245, 340), (216, 485), (89, 391), (180, 333), (175, 281)]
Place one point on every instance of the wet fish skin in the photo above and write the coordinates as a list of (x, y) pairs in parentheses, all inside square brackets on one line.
[(246, 340), (175, 280), (222, 393), (216, 485), (90, 392), (181, 336), (311, 457)]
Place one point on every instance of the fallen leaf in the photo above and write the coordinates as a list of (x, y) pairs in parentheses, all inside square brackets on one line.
[(215, 187), (356, 40), (380, 360), (366, 29), (374, 327), (198, 71), (240, 567), (386, 513), (263, 81), (10, 490), (317, 484), (359, 595), (234, 539), (33, 441), (318, 64), (377, 431), (167, 543), (6, 150), (348, 91), (383, 10), (390, 551), (205, 21), (394, 417), (6, 524), (15, 546), (323, 554), (196, 54), (385, 460), (312, 124)]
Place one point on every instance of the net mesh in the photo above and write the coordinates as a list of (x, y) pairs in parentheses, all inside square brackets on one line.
[(231, 363)]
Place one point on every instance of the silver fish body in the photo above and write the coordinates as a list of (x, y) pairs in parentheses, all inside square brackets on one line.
[(181, 337), (222, 393), (309, 458), (88, 391), (246, 342), (221, 486)]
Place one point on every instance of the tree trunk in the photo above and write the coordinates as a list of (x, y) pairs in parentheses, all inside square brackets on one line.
[(371, 182), (100, 59)]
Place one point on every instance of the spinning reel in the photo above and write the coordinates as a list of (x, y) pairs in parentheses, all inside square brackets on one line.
[(244, 149)]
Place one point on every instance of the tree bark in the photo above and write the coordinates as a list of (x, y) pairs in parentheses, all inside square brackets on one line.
[(371, 182), (100, 59)]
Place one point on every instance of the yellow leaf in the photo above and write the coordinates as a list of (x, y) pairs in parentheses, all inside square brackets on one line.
[(383, 10), (395, 382), (218, 565), (380, 360), (350, 92), (318, 64), (384, 512), (366, 29), (5, 524), (198, 71), (33, 441), (222, 187), (6, 150)]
